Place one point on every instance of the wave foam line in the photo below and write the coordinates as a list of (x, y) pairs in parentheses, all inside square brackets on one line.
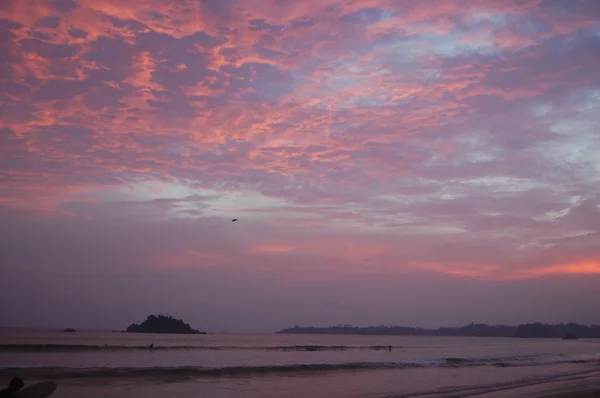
[(194, 371), (87, 347)]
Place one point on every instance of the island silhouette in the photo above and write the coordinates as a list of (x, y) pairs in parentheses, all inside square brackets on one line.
[(527, 330), (162, 324)]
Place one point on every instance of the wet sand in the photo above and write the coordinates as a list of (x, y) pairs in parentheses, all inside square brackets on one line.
[(580, 394), (577, 391), (584, 386)]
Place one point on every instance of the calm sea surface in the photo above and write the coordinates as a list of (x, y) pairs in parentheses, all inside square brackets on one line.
[(105, 364)]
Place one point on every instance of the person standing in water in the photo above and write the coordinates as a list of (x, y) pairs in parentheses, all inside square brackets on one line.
[(390, 348)]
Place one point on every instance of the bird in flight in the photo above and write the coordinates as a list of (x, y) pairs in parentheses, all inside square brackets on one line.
[(234, 220)]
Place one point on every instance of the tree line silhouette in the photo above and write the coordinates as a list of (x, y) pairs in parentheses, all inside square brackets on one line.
[(531, 330)]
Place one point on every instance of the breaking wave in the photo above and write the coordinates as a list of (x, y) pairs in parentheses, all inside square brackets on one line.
[(196, 371), (86, 347)]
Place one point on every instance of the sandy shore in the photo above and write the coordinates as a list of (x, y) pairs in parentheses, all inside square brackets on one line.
[(580, 394), (588, 387), (580, 386)]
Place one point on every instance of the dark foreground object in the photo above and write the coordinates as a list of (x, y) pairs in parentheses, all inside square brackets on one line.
[(15, 385), (16, 389), (37, 390)]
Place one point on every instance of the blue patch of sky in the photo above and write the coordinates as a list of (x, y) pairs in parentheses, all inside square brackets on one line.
[(500, 20), (267, 53), (367, 16), (306, 68), (363, 102), (449, 45), (402, 53)]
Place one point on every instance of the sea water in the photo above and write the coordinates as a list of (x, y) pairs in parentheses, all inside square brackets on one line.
[(109, 364)]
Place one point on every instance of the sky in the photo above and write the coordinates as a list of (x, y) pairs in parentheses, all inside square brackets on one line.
[(421, 163)]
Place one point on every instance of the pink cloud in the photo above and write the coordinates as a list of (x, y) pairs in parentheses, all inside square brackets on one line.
[(378, 137)]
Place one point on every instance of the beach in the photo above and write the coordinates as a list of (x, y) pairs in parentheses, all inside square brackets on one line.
[(587, 386), (103, 364)]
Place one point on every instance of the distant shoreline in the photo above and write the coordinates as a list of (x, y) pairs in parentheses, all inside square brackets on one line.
[(569, 331)]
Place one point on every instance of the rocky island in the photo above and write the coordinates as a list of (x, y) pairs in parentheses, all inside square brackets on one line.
[(162, 324)]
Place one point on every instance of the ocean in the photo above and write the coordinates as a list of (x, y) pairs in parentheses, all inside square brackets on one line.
[(97, 364)]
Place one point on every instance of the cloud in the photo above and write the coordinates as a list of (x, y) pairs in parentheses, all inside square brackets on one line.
[(354, 140)]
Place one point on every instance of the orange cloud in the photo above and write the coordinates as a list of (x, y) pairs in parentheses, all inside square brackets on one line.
[(498, 272), (585, 267)]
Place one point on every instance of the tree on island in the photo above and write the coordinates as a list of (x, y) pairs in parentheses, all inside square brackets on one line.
[(162, 324)]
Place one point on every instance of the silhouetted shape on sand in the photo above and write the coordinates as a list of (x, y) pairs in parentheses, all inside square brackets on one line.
[(14, 385), (162, 324), (533, 330)]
